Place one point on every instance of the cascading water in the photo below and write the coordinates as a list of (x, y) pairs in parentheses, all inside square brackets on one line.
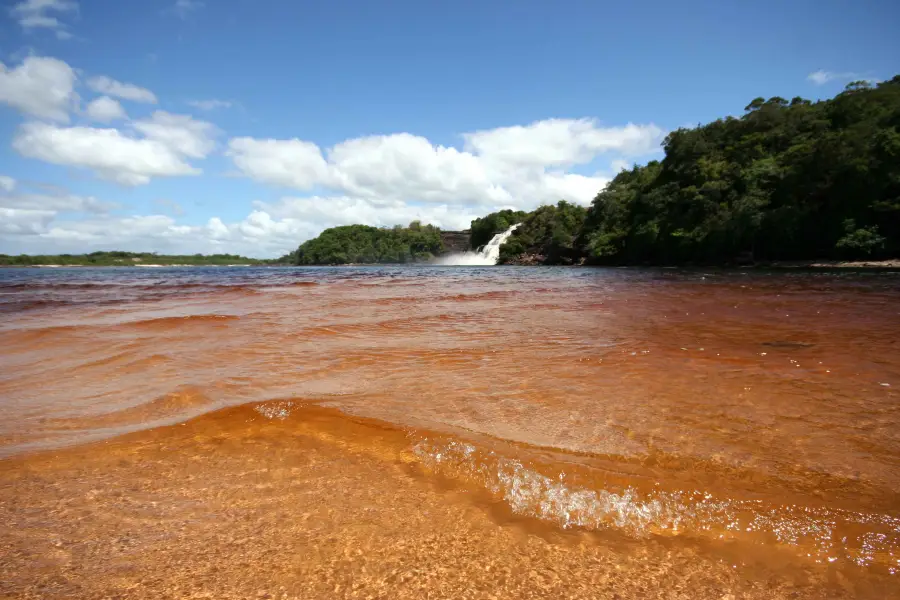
[(488, 254)]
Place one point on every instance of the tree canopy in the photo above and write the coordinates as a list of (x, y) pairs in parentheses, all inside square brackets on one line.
[(364, 244), (548, 235), (788, 180)]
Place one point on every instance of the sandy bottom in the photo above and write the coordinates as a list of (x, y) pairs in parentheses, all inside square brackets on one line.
[(321, 505)]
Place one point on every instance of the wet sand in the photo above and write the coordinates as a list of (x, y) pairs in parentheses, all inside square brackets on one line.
[(317, 505), (450, 433)]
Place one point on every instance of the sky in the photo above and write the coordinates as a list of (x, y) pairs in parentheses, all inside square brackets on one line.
[(249, 126)]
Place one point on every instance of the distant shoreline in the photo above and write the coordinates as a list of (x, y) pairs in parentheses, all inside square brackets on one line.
[(132, 266), (873, 265)]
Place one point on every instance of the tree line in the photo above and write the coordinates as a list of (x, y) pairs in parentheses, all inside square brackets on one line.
[(119, 258), (788, 180), (363, 244)]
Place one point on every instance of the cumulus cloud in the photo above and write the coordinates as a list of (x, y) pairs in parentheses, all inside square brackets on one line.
[(560, 142), (126, 91), (36, 14), (158, 147), (515, 166), (180, 133), (104, 109), (289, 163), (41, 87), (7, 183)]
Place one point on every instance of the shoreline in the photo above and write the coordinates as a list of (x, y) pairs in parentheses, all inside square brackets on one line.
[(870, 265)]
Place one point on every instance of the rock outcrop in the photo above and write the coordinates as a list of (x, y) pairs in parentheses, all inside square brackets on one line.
[(455, 241)]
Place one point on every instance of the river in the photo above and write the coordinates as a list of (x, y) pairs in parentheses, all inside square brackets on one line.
[(449, 432)]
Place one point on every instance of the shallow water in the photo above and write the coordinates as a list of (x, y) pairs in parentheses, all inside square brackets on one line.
[(744, 423)]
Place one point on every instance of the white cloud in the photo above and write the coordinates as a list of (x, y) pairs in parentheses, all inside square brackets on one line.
[(290, 163), (7, 183), (19, 222), (560, 142), (37, 14), (183, 8), (42, 87), (407, 167), (620, 165), (166, 143), (509, 166), (104, 109), (127, 91), (181, 133), (822, 77), (212, 104), (322, 212), (56, 203)]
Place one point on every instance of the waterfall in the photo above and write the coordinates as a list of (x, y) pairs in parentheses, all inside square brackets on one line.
[(488, 254)]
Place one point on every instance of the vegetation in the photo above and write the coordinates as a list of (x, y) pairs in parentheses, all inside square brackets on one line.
[(548, 235), (364, 244), (118, 258), (484, 228), (789, 180)]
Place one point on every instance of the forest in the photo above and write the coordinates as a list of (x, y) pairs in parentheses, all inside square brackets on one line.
[(119, 258), (363, 244), (788, 180)]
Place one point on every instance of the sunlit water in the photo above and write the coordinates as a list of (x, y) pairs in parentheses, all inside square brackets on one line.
[(758, 410)]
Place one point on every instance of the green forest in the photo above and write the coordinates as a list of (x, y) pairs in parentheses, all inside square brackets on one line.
[(788, 180), (370, 245), (118, 258)]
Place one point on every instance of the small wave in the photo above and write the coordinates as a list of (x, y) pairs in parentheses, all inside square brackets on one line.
[(481, 296), (171, 322), (823, 534), (275, 410)]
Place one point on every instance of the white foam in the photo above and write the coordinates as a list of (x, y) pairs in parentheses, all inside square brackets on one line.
[(488, 254), (826, 534)]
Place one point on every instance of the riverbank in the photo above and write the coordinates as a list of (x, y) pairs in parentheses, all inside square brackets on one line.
[(533, 260)]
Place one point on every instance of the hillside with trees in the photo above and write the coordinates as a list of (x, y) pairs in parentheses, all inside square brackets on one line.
[(789, 180), (369, 245), (549, 235)]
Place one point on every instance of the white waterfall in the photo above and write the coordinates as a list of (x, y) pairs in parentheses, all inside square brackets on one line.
[(488, 254)]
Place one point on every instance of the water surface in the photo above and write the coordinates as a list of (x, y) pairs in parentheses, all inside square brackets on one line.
[(751, 418)]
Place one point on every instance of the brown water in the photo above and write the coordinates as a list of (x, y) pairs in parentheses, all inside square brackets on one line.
[(449, 432)]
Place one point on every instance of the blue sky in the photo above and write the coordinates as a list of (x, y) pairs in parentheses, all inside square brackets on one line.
[(249, 125)]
